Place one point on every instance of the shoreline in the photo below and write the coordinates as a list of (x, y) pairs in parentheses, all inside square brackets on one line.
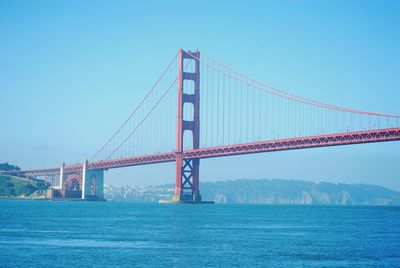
[(48, 199)]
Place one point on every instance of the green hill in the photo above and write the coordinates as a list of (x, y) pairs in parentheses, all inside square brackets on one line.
[(11, 186)]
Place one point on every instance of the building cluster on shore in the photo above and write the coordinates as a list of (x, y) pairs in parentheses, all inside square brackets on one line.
[(138, 193)]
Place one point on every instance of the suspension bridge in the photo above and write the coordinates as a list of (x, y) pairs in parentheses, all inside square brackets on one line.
[(200, 108)]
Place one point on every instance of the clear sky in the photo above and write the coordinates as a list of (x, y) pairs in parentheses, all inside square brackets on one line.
[(72, 71)]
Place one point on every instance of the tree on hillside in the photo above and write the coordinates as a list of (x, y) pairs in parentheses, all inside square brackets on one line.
[(8, 167)]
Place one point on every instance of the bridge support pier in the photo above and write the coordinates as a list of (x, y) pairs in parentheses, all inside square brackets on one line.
[(188, 171), (92, 183), (62, 176)]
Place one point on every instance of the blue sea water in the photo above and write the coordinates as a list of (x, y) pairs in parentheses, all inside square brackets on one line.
[(107, 234)]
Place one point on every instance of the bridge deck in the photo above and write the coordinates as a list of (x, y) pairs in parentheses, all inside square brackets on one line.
[(368, 136)]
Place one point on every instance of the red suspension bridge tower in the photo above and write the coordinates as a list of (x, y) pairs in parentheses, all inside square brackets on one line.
[(187, 169)]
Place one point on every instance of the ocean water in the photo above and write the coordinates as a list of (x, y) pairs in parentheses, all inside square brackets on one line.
[(107, 234)]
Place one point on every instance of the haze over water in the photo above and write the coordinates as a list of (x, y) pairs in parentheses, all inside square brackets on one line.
[(90, 234)]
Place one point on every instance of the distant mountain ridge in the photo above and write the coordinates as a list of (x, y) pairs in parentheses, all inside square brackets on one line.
[(243, 191), (298, 192), (268, 191)]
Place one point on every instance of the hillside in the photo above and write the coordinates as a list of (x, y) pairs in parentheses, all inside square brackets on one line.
[(11, 186), (264, 191), (277, 191)]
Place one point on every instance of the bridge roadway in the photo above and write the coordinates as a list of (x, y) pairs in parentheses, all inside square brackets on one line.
[(348, 138)]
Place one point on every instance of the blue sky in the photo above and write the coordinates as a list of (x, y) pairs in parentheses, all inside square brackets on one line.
[(72, 71)]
